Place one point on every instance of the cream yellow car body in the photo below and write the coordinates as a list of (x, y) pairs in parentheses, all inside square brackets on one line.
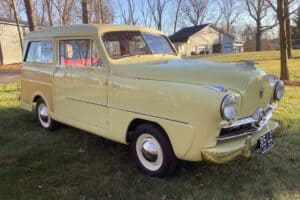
[(183, 97)]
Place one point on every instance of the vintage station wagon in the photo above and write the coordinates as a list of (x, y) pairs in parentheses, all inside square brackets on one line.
[(128, 84)]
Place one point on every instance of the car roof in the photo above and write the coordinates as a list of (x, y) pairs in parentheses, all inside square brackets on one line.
[(84, 30)]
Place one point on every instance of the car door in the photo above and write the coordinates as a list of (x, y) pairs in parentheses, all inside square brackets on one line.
[(81, 82)]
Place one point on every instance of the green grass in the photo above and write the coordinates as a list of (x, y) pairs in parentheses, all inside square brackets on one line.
[(268, 60), (72, 164)]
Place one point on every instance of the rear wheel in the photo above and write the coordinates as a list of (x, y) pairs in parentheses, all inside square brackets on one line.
[(152, 151), (43, 115)]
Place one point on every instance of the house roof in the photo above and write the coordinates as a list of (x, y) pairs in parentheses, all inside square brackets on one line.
[(12, 21), (183, 34)]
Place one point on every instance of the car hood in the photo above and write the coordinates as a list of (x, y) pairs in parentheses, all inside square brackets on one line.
[(236, 77), (243, 79)]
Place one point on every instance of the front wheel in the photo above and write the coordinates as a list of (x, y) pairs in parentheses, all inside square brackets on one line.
[(43, 116), (152, 151)]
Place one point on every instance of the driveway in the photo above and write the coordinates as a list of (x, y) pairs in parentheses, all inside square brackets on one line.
[(7, 76)]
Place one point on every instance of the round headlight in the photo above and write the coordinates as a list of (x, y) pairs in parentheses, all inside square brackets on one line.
[(279, 90), (229, 107)]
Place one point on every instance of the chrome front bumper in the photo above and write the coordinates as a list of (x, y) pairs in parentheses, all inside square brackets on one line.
[(256, 122), (227, 150)]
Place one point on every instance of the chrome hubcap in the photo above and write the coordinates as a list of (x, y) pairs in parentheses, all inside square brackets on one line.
[(149, 152), (43, 115)]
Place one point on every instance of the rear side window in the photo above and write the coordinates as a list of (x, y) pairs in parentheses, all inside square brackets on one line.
[(40, 52), (78, 52)]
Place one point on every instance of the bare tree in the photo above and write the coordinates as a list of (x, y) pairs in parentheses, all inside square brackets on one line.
[(128, 16), (195, 11), (157, 9), (280, 9), (177, 13), (288, 29), (85, 18), (64, 9), (49, 4), (6, 10), (230, 10), (146, 14), (100, 11), (258, 10), (289, 13), (30, 14), (284, 74)]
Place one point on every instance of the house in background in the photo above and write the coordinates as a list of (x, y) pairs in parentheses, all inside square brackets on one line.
[(296, 41), (10, 47), (205, 39)]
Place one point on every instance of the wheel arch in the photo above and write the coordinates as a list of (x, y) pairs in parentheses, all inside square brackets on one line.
[(138, 121), (39, 95)]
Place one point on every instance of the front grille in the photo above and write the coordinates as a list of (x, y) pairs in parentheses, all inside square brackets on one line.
[(232, 132), (246, 126)]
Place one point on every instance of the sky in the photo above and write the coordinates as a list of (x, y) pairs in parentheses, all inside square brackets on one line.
[(243, 19), (168, 18)]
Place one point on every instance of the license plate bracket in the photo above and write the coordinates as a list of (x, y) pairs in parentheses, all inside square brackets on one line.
[(265, 142)]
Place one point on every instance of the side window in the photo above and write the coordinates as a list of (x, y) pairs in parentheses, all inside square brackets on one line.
[(78, 52), (40, 52)]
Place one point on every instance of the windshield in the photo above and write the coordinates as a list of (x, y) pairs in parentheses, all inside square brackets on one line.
[(131, 43)]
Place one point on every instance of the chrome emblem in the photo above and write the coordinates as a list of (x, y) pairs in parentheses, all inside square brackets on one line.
[(261, 92)]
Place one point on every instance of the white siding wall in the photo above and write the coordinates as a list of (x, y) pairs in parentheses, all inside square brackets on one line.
[(204, 40), (10, 44)]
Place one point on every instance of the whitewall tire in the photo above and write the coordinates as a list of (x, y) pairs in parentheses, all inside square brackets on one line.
[(152, 151), (43, 115)]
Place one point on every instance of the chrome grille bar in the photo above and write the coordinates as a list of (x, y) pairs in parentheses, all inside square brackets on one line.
[(256, 122)]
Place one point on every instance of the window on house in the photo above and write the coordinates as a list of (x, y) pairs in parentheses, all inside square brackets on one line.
[(79, 52), (40, 52)]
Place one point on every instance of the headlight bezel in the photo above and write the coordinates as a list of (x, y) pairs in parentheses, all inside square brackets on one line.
[(231, 103), (279, 87)]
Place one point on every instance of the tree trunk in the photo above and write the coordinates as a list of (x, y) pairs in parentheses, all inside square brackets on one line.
[(176, 15), (30, 14), (258, 36), (258, 41), (14, 7), (49, 11), (284, 74), (85, 16), (288, 29)]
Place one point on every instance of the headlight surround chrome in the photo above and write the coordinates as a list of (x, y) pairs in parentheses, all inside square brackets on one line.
[(279, 90), (229, 107)]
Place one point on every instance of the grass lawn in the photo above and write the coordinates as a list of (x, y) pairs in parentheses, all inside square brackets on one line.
[(72, 164), (268, 60)]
